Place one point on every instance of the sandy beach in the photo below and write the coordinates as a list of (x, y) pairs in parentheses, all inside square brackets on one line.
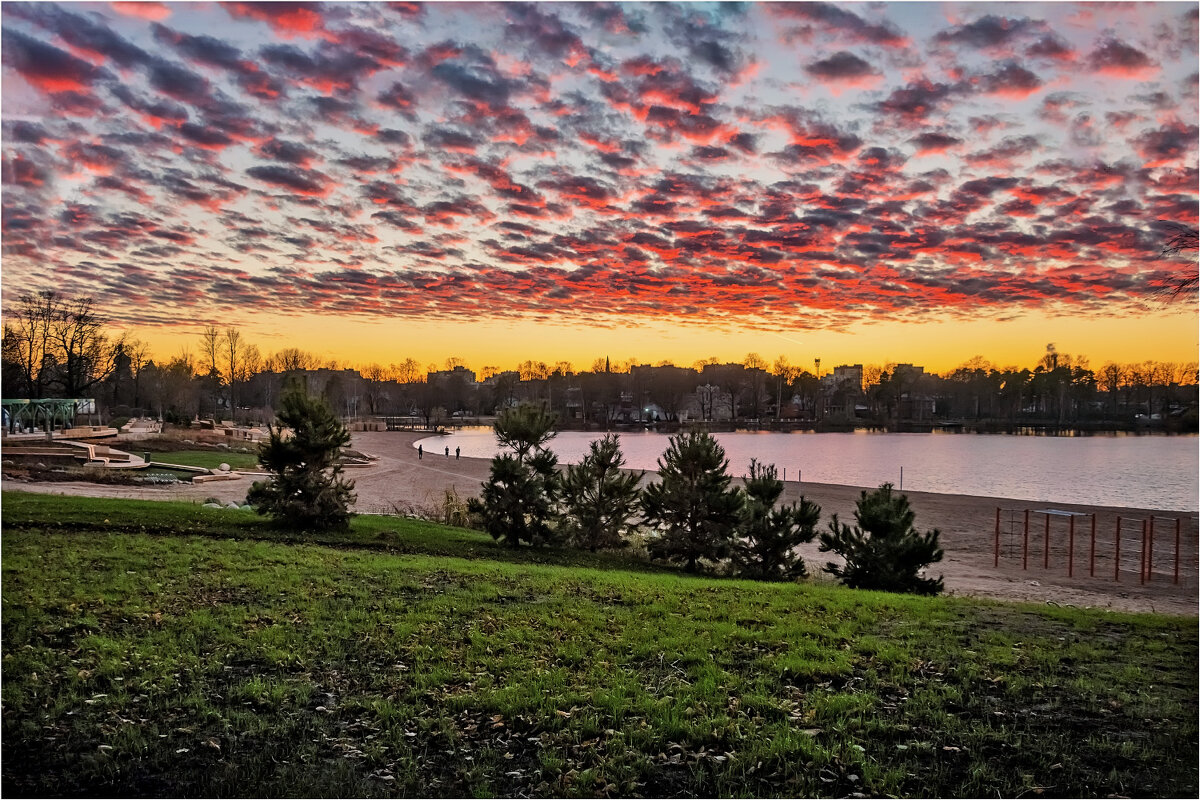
[(400, 482)]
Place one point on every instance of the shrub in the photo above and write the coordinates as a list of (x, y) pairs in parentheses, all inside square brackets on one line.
[(306, 488), (768, 536), (519, 502), (599, 497), (883, 551), (692, 504)]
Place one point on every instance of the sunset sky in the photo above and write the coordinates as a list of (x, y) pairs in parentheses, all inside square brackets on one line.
[(855, 182)]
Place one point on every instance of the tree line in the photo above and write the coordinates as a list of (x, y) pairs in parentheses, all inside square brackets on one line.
[(691, 516), (55, 346)]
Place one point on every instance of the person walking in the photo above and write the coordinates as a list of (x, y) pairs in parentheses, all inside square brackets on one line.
[(456, 452), (420, 452), (447, 451)]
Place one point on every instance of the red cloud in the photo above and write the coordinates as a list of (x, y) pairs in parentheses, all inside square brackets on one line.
[(155, 12), (287, 19), (1119, 60)]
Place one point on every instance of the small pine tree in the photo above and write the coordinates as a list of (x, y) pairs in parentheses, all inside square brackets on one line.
[(519, 502), (599, 497), (525, 429), (306, 489), (768, 536), (883, 551), (693, 503)]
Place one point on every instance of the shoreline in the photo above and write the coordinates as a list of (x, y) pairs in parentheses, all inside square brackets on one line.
[(401, 482)]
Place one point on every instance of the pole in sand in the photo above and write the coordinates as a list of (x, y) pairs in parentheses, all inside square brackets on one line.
[(1092, 554), (996, 558), (1142, 569), (1150, 552), (1046, 545), (1117, 553), (1071, 548), (1177, 521), (1025, 545)]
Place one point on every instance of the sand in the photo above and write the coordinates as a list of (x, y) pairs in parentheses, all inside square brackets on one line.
[(399, 482)]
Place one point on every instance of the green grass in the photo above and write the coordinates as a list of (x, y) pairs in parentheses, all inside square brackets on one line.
[(163, 648), (210, 459)]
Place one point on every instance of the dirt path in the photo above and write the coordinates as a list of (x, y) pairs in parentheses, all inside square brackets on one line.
[(400, 481)]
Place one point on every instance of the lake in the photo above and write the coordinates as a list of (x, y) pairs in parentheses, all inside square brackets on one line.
[(1153, 472)]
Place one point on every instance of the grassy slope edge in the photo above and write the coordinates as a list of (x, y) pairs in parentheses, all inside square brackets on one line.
[(162, 648)]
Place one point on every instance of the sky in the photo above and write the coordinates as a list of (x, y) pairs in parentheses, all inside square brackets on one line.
[(857, 182)]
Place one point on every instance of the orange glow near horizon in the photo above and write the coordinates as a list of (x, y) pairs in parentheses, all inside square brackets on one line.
[(940, 346)]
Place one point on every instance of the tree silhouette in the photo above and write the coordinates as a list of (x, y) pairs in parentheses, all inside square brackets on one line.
[(692, 504), (519, 501), (883, 551), (767, 536), (306, 489), (599, 497)]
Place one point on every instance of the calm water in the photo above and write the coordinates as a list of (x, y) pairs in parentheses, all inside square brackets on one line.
[(1154, 472)]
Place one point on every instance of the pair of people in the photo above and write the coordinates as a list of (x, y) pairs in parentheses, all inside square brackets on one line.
[(421, 452)]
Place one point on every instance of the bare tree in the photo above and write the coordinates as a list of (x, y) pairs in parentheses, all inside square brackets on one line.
[(408, 371), (210, 350), (27, 340), (231, 354), (84, 351), (290, 359), (1183, 241)]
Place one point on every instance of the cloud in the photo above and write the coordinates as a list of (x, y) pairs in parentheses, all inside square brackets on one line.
[(914, 103), (324, 71), (846, 24), (989, 32), (591, 159), (934, 142), (286, 18), (1167, 145), (308, 183), (49, 68), (1051, 47), (1119, 60), (156, 12), (843, 70), (1011, 80)]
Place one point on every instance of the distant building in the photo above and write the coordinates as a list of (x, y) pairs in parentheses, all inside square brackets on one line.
[(574, 402), (445, 374), (841, 389), (507, 375), (847, 377)]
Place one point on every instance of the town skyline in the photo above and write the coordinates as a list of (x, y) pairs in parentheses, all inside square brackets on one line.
[(923, 182)]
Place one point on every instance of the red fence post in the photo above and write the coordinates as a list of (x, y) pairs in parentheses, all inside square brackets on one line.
[(1046, 545), (1177, 521), (1092, 556), (1025, 546), (996, 559), (1142, 570), (1071, 548), (1117, 553)]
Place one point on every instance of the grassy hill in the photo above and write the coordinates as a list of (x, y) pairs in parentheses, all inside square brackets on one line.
[(167, 649)]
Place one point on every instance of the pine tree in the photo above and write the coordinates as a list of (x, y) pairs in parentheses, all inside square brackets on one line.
[(883, 551), (692, 504), (519, 502), (768, 536), (525, 429), (306, 489), (599, 497)]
